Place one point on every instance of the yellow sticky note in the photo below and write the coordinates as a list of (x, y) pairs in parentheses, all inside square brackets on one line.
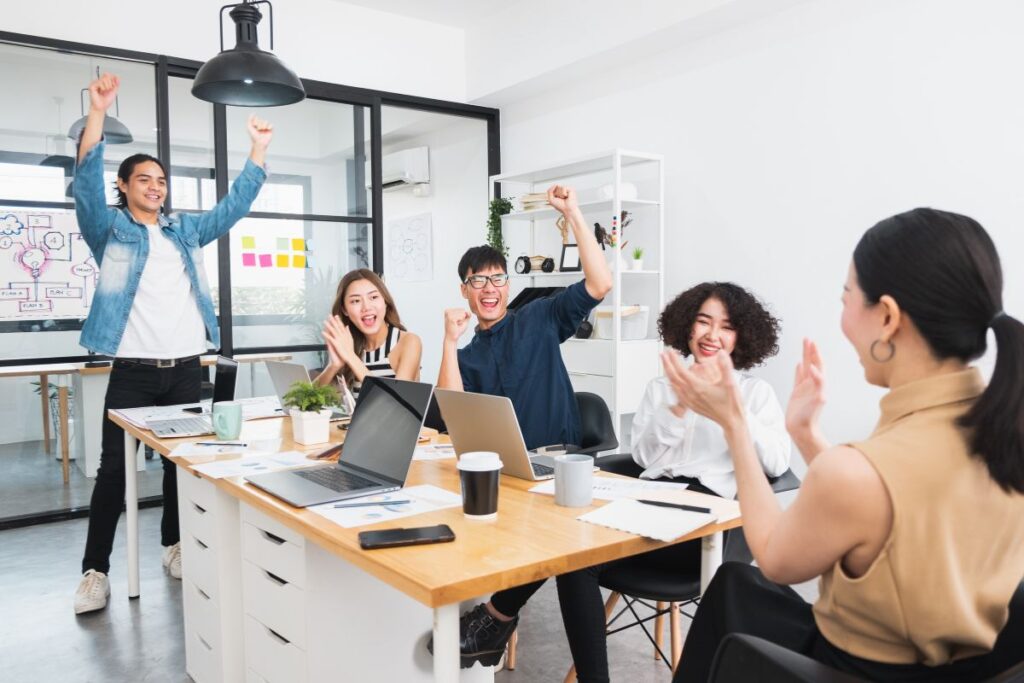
[(248, 243), (282, 260), (299, 261), (298, 244)]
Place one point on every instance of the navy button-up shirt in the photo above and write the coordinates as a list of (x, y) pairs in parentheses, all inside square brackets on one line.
[(519, 358)]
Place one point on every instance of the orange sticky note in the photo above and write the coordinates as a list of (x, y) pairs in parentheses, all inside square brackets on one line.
[(282, 260), (298, 244)]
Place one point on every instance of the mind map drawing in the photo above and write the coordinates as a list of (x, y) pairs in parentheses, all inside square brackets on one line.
[(46, 270)]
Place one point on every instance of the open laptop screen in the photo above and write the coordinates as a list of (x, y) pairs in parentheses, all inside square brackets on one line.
[(224, 379), (385, 426)]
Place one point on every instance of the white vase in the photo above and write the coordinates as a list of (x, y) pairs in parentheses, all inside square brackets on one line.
[(638, 264), (614, 256), (311, 427)]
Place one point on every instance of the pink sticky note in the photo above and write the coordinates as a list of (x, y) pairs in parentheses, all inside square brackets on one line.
[(266, 261), (249, 259)]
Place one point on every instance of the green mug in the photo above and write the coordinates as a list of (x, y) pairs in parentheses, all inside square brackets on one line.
[(227, 419)]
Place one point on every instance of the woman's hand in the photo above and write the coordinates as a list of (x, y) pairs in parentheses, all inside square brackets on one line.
[(708, 389), (340, 344), (103, 92), (808, 397)]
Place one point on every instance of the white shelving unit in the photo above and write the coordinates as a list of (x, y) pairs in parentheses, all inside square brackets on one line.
[(616, 369)]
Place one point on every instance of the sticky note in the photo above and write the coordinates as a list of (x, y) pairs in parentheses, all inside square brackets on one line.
[(249, 259), (266, 261), (298, 244), (248, 242), (282, 244), (299, 261), (309, 260), (282, 260)]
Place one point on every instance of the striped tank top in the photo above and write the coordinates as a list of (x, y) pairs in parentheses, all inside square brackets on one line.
[(378, 361)]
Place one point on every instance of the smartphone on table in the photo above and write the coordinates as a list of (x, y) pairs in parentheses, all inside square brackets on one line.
[(394, 538)]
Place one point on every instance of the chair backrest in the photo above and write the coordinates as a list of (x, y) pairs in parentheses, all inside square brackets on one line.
[(596, 430)]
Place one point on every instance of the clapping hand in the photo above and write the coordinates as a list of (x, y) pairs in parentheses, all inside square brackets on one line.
[(708, 389), (340, 345), (808, 397)]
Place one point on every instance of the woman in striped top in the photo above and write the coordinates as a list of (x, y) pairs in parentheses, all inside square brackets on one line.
[(365, 336)]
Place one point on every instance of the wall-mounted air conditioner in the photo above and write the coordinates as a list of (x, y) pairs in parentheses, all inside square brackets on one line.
[(409, 167)]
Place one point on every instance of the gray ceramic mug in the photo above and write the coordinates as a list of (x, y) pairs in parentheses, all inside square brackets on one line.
[(574, 480)]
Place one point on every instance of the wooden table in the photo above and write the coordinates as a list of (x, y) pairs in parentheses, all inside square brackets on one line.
[(61, 371), (531, 539)]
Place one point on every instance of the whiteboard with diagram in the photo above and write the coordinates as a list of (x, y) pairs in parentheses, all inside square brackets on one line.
[(46, 269)]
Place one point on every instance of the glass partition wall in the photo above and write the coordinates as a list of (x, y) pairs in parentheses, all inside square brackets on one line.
[(273, 276)]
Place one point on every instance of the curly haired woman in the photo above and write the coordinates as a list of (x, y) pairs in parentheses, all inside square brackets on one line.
[(672, 443)]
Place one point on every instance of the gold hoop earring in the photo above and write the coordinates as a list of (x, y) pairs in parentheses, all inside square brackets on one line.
[(874, 354)]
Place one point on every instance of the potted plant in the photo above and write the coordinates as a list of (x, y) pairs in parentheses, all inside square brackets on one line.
[(499, 206), (309, 408), (638, 258)]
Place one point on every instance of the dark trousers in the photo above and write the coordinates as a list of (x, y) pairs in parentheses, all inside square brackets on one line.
[(133, 385), (741, 600)]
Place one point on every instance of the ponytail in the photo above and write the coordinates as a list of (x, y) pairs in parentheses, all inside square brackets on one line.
[(996, 420)]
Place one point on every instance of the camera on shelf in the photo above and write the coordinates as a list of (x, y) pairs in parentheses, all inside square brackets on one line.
[(527, 264)]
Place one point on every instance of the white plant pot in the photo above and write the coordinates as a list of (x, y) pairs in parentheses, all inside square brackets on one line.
[(309, 428), (638, 264)]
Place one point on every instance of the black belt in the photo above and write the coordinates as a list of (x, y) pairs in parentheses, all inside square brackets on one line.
[(159, 362)]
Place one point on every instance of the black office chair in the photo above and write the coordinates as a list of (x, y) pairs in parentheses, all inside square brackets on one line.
[(743, 657), (597, 433)]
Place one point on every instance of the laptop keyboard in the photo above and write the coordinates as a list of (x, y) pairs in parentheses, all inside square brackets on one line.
[(336, 479), (542, 470)]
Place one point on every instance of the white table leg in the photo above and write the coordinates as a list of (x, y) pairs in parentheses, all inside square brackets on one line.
[(446, 643), (710, 559), (131, 504)]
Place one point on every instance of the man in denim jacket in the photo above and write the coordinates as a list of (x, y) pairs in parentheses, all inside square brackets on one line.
[(152, 312)]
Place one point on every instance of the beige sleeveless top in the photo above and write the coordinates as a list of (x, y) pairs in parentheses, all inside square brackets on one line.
[(940, 589)]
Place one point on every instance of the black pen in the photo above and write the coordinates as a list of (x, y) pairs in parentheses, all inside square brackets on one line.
[(678, 506), (363, 505), (221, 443)]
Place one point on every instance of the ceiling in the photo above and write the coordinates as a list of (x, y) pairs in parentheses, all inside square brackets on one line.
[(458, 13)]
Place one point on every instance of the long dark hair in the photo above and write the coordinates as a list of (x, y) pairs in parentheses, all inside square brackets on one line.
[(338, 309), (943, 270), (124, 172)]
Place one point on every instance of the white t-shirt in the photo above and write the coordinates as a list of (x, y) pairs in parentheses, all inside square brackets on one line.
[(694, 446), (165, 321)]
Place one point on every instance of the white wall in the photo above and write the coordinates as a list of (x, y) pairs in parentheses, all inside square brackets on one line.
[(788, 137), (318, 39)]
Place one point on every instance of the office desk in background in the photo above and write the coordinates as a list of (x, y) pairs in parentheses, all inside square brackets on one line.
[(61, 371), (275, 593)]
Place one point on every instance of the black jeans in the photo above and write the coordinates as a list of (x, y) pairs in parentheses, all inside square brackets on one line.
[(741, 600), (133, 385)]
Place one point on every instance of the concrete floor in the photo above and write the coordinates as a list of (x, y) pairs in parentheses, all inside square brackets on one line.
[(41, 639)]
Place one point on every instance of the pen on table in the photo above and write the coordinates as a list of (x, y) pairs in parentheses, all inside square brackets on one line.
[(679, 506), (380, 502), (221, 443)]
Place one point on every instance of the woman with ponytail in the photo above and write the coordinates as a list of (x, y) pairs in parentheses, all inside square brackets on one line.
[(917, 531)]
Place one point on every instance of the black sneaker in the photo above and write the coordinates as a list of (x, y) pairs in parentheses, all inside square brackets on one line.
[(482, 638)]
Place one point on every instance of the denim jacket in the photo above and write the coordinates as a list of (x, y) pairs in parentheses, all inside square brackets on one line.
[(120, 245)]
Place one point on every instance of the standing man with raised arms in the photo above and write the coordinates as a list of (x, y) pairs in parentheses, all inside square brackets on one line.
[(515, 354), (152, 312)]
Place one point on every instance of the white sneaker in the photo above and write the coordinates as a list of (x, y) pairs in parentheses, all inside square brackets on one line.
[(172, 559), (92, 592)]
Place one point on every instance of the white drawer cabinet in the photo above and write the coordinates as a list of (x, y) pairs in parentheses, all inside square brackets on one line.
[(271, 656), (270, 545), (274, 602)]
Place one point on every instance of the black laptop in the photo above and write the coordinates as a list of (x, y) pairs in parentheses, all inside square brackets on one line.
[(378, 448)]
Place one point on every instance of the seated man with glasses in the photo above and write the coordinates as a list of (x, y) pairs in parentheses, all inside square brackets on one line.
[(515, 354)]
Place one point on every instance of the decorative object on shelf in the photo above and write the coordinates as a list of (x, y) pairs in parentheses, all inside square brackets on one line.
[(638, 258), (310, 412), (627, 191), (499, 206), (527, 264), (570, 261), (585, 330), (601, 235), (563, 228), (533, 200), (634, 322), (611, 239), (246, 76)]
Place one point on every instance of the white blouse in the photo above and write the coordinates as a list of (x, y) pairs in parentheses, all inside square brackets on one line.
[(694, 446)]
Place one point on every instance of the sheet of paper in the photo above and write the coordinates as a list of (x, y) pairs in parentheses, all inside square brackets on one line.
[(252, 464), (659, 523), (434, 452), (614, 488), (423, 498), (255, 408), (198, 448)]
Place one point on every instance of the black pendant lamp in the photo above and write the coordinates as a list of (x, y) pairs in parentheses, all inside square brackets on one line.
[(114, 132), (247, 76)]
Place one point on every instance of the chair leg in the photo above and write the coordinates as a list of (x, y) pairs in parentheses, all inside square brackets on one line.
[(44, 392), (677, 635), (609, 606), (659, 630), (510, 657)]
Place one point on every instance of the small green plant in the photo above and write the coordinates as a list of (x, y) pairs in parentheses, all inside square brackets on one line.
[(499, 207), (310, 397), (52, 389), (638, 253)]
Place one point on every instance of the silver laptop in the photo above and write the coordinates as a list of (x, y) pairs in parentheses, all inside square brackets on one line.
[(200, 425), (378, 448), (480, 422), (284, 375)]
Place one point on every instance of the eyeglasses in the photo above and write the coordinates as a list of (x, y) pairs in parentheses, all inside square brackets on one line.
[(479, 281)]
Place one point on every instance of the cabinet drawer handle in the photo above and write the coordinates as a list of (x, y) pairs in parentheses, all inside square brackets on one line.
[(199, 508), (200, 543), (202, 592), (275, 578), (276, 540), (277, 635), (205, 644)]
